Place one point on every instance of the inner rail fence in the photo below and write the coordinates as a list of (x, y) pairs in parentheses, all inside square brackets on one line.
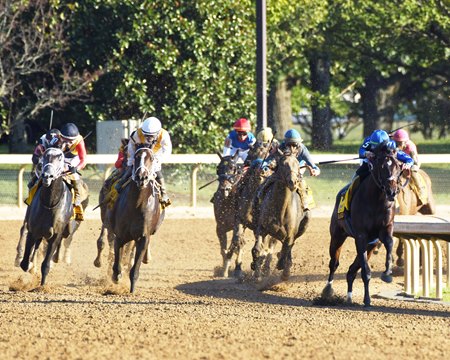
[(185, 173)]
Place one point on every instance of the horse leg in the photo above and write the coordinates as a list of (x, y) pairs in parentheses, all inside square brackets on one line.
[(338, 237), (268, 261), (361, 261), (257, 257), (388, 242), (53, 243), (68, 243), (285, 260), (236, 246), (57, 253), (25, 263), (399, 252), (117, 268), (100, 247), (222, 235), (21, 244), (141, 245)]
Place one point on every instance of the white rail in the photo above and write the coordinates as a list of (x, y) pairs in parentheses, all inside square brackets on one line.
[(194, 159), (423, 232)]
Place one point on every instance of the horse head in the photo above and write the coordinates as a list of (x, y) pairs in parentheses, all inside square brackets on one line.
[(52, 165), (143, 172), (288, 170), (386, 171), (228, 172)]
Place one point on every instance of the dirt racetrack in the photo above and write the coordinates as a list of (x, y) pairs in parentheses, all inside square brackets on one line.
[(181, 310)]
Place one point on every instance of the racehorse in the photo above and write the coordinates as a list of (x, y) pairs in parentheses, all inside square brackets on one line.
[(246, 191), (49, 214), (371, 217), (280, 215), (409, 204), (136, 215), (229, 173)]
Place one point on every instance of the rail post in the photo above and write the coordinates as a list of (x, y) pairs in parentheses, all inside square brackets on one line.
[(194, 172), (20, 186)]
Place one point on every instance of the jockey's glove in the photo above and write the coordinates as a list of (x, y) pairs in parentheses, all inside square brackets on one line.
[(73, 169)]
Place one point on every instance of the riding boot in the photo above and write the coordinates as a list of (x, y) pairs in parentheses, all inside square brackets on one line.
[(302, 191), (124, 178), (422, 191), (164, 198), (77, 207), (32, 180)]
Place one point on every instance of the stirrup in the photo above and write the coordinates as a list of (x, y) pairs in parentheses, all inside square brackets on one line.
[(165, 202)]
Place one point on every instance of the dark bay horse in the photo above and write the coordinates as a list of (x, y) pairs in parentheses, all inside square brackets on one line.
[(229, 173), (371, 218), (280, 215), (49, 214), (136, 215), (246, 192), (409, 204)]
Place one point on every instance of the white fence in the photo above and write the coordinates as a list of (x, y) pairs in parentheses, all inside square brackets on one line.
[(194, 159)]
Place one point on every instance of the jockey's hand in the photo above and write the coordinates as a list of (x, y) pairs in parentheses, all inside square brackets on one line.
[(369, 155), (314, 171), (73, 169)]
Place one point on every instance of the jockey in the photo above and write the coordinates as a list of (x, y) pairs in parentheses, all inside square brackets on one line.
[(294, 142), (239, 139), (50, 138), (404, 144), (158, 139), (72, 144), (373, 141)]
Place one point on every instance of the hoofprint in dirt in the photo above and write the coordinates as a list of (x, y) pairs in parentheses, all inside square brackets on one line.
[(181, 310)]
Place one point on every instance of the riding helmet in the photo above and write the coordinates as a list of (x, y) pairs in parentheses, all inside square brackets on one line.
[(401, 135), (265, 135), (52, 133), (242, 124), (391, 145), (70, 131), (151, 126), (378, 137), (292, 136)]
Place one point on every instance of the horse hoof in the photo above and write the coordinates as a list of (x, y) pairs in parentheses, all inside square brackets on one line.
[(400, 262), (327, 292), (386, 278), (116, 278), (97, 263)]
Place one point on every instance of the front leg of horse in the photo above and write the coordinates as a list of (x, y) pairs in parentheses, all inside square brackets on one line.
[(285, 260), (400, 261), (222, 235), (21, 244), (100, 247), (257, 258), (141, 246), (26, 265), (236, 246), (52, 246), (117, 267), (386, 276)]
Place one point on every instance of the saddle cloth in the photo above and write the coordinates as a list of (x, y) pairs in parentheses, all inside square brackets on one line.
[(346, 198)]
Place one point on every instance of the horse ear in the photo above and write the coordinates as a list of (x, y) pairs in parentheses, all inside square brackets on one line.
[(220, 155)]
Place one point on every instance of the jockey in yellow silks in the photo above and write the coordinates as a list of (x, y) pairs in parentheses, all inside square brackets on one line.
[(152, 134)]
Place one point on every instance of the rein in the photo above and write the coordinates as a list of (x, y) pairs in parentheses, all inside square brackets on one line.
[(378, 181), (143, 166)]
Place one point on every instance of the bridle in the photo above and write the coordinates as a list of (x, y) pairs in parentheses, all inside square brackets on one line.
[(142, 172), (381, 182), (50, 170)]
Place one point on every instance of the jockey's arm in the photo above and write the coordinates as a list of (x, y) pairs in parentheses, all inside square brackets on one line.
[(405, 159), (306, 156), (81, 150)]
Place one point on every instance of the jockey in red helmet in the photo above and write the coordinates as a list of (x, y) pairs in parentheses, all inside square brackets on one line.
[(239, 139)]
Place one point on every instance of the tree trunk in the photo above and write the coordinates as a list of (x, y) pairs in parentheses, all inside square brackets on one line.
[(320, 84), (369, 104), (18, 139), (280, 110)]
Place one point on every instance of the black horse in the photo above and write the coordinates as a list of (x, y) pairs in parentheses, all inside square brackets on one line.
[(229, 173), (136, 215), (49, 214), (371, 218)]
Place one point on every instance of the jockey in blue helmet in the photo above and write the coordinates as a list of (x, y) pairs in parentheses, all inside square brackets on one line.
[(366, 151)]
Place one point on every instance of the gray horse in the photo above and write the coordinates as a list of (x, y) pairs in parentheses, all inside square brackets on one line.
[(49, 214), (136, 215)]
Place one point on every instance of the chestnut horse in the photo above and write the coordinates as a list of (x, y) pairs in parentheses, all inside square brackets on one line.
[(371, 218), (136, 214), (409, 204)]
